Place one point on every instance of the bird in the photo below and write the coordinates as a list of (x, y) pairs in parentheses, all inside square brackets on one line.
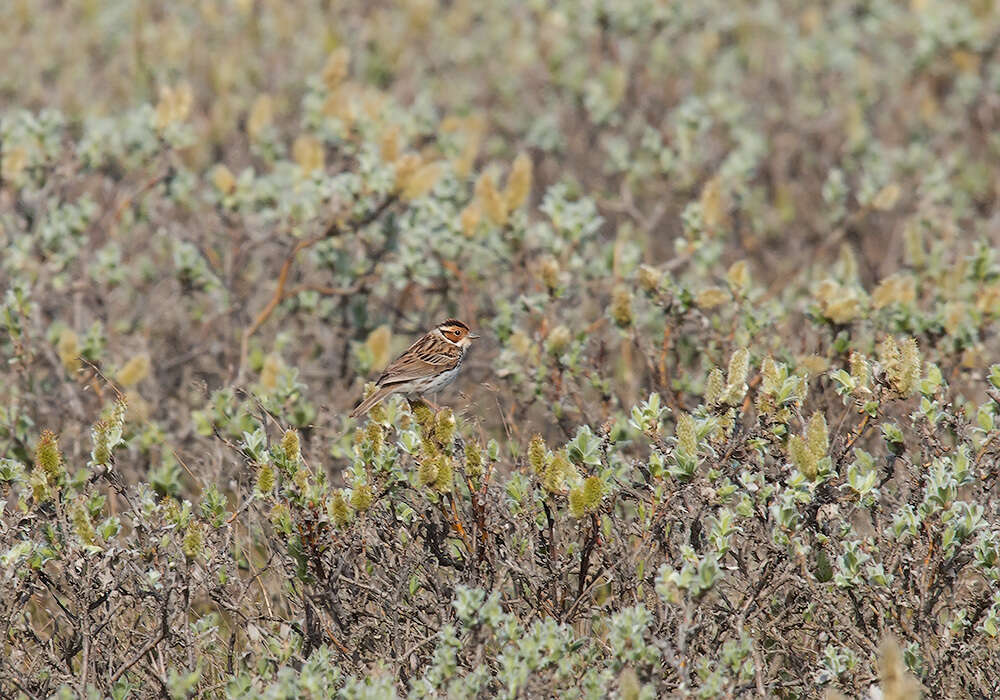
[(430, 364)]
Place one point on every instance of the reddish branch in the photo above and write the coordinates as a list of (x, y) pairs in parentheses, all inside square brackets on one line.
[(334, 229)]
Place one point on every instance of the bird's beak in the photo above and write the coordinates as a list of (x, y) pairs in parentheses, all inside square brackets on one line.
[(474, 336)]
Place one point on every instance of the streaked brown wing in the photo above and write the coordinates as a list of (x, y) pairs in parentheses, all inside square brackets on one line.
[(425, 358)]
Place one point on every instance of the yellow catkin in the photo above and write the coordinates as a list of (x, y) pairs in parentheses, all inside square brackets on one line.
[(290, 445), (711, 297), (336, 67), (536, 454), (714, 387), (739, 365), (592, 493), (308, 153), (649, 278), (422, 181), (470, 218), (817, 437), (134, 371), (341, 104), (738, 277), (491, 200), (378, 344), (361, 497), (174, 105), (621, 306), (389, 143), (47, 455), (339, 511), (577, 503), (223, 179), (269, 372), (68, 347), (15, 159), (261, 115), (518, 182), (687, 440)]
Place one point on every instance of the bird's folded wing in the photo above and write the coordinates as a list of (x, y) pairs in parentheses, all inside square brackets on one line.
[(410, 367)]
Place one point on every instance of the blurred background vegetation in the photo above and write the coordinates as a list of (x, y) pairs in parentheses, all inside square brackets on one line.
[(684, 229)]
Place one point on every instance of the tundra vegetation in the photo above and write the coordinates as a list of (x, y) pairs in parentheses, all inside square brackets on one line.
[(731, 430)]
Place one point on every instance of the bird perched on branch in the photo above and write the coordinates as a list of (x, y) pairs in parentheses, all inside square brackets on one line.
[(427, 366)]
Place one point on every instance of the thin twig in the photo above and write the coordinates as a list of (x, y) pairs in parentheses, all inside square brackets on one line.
[(279, 291), (137, 658)]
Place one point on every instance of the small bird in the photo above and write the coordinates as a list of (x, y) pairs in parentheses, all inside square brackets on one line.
[(430, 364)]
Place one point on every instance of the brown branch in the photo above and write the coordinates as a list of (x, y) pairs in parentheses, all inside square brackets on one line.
[(137, 658), (857, 433), (333, 229)]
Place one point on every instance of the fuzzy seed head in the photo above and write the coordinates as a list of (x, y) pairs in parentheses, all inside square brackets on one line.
[(423, 413), (265, 478), (536, 454), (902, 364), (269, 371), (404, 168), (649, 279), (281, 518), (301, 479), (223, 179), (770, 376), (714, 388), (444, 427), (491, 200), (710, 297), (739, 365), (389, 143), (290, 446), (592, 492), (40, 490), (518, 182), (377, 413), (428, 471), (445, 474), (134, 371), (421, 182), (817, 438), (558, 340), (555, 473), (549, 273), (621, 306), (82, 524), (308, 153), (473, 459), (261, 116), (68, 348), (687, 439), (802, 457), (48, 457), (375, 436), (469, 219), (194, 540), (860, 372), (101, 454), (336, 67), (338, 510), (738, 277), (577, 502), (361, 497)]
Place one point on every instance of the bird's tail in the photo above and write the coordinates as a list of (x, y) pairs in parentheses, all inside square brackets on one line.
[(365, 405)]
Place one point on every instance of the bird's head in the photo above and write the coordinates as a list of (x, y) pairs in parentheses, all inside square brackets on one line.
[(454, 331)]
